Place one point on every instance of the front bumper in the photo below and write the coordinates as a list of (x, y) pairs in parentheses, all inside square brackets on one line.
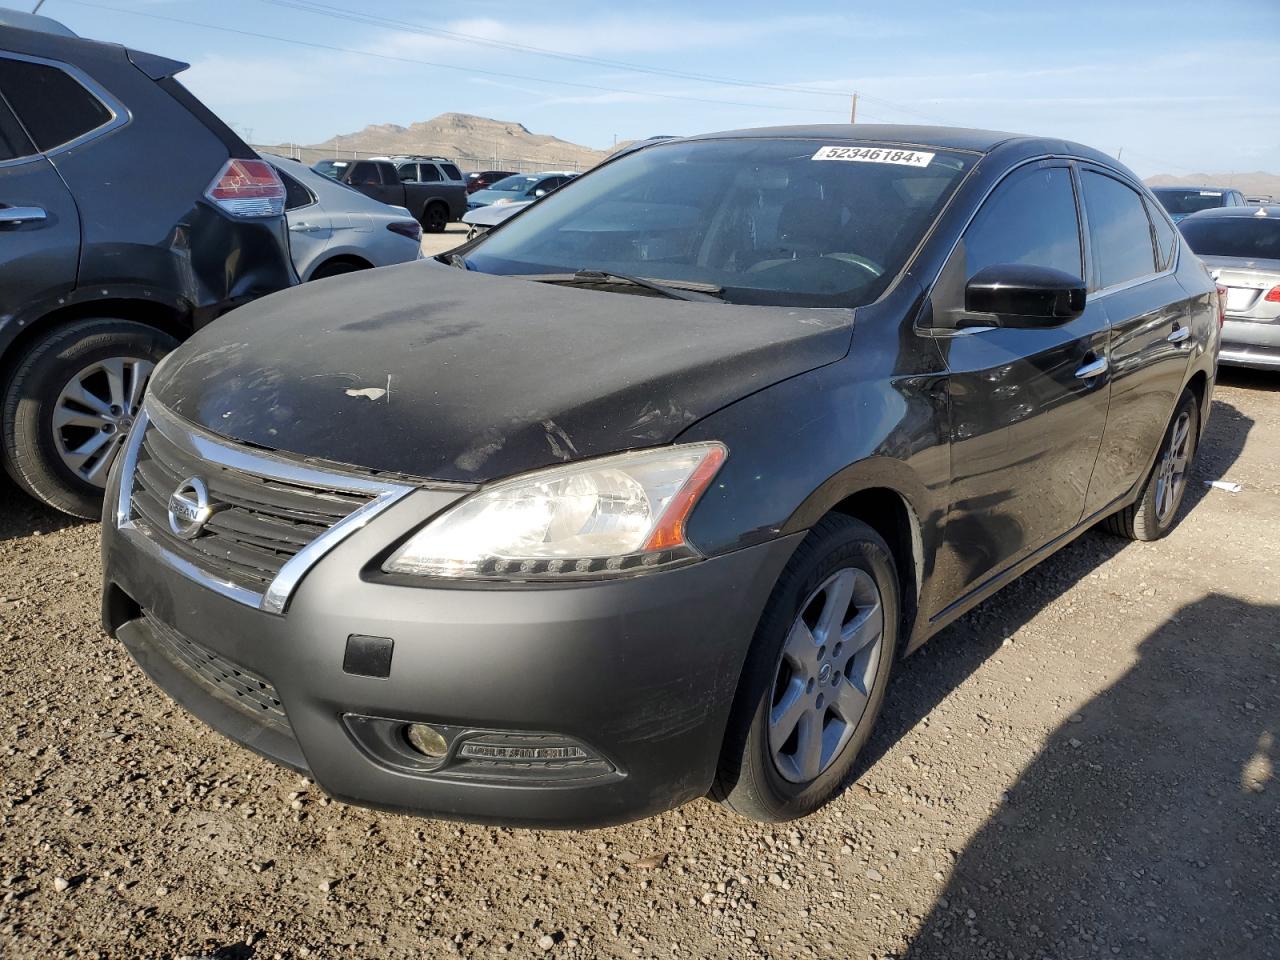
[(641, 670), (1249, 344)]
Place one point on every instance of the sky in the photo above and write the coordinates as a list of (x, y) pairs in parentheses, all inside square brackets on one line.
[(1169, 87)]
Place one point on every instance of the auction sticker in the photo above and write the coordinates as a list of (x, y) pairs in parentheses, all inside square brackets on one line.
[(904, 158)]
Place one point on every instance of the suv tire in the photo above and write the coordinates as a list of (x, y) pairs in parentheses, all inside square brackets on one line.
[(102, 355), (435, 217)]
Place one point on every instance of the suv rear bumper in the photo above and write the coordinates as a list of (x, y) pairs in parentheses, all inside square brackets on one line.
[(640, 671)]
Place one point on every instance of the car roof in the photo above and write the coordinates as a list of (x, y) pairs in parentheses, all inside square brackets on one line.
[(1271, 210), (32, 21), (1176, 186), (952, 138)]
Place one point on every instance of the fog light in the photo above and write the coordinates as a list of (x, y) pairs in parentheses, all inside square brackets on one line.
[(427, 740)]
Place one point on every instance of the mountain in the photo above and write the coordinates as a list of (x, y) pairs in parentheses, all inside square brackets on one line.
[(1253, 184), (475, 143)]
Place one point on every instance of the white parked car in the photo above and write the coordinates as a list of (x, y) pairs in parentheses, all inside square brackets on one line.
[(334, 229), (481, 219)]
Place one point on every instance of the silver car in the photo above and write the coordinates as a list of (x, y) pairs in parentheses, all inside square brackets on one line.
[(333, 229), (1241, 248)]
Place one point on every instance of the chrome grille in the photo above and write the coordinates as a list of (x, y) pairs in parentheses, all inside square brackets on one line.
[(269, 519), (258, 525)]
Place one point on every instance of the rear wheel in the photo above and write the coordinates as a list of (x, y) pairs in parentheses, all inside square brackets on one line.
[(435, 217), (70, 402), (335, 268), (815, 677), (1153, 514)]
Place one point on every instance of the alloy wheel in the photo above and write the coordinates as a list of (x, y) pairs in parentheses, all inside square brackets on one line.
[(1171, 474), (94, 412), (824, 678)]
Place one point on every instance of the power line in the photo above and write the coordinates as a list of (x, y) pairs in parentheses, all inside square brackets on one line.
[(449, 66), (358, 16)]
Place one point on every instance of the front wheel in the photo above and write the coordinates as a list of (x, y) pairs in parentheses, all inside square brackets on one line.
[(1152, 515), (815, 677), (69, 404)]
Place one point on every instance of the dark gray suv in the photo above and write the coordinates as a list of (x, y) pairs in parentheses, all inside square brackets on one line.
[(641, 495), (130, 216)]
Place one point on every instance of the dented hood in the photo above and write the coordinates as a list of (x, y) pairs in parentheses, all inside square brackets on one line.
[(446, 374)]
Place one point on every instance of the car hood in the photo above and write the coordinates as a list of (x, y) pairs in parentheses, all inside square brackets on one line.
[(447, 374), (494, 213)]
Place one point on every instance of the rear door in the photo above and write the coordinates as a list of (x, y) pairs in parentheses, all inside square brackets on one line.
[(39, 222), (1028, 406), (310, 226), (1131, 251)]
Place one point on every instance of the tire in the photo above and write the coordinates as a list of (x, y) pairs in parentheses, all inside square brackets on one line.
[(39, 455), (764, 771), (1155, 512), (435, 217), (336, 268)]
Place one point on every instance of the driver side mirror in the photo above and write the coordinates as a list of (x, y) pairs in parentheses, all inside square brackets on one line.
[(1020, 295), (539, 192)]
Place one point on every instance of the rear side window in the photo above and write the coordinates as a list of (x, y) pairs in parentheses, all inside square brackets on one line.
[(452, 172), (363, 174), (13, 140), (54, 107), (1166, 238), (1030, 219), (1119, 231), (295, 194)]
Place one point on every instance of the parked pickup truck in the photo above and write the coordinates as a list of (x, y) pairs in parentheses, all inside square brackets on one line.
[(433, 204)]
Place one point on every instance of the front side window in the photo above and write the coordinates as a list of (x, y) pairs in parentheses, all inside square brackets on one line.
[(1249, 238), (364, 174), (770, 221), (408, 172), (54, 107), (1119, 231), (1029, 219)]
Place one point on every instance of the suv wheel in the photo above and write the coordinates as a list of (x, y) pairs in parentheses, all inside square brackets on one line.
[(435, 218), (68, 405), (815, 677), (1153, 514)]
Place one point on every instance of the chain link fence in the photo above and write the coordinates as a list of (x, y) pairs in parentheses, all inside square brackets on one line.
[(494, 161)]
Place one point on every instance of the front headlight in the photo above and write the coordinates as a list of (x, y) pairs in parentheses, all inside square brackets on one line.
[(605, 517)]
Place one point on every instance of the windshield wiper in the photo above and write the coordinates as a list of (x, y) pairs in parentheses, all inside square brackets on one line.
[(675, 289)]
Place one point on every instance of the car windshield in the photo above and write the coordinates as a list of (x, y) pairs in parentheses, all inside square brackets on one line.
[(516, 184), (1189, 201), (785, 221), (1251, 238)]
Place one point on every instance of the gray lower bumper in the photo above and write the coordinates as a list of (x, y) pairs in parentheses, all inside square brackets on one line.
[(1249, 344), (643, 670)]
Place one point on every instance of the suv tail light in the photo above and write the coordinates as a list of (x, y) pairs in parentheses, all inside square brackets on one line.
[(406, 228), (1273, 295), (1222, 305), (247, 188)]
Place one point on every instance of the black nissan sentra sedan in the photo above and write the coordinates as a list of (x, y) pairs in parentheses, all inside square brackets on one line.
[(641, 496)]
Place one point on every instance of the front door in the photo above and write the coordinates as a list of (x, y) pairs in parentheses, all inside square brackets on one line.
[(1028, 406), (39, 227)]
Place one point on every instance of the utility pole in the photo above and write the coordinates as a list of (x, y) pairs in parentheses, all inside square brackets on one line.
[(853, 108)]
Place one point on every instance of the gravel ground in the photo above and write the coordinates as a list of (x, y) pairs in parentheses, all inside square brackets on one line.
[(1082, 767)]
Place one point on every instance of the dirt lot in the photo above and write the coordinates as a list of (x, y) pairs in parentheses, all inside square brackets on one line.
[(1083, 767)]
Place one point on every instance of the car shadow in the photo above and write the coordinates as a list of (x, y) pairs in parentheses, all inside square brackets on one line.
[(21, 516), (1147, 825)]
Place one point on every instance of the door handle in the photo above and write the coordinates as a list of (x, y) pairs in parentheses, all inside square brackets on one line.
[(1179, 335), (1094, 368), (305, 227), (13, 216)]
